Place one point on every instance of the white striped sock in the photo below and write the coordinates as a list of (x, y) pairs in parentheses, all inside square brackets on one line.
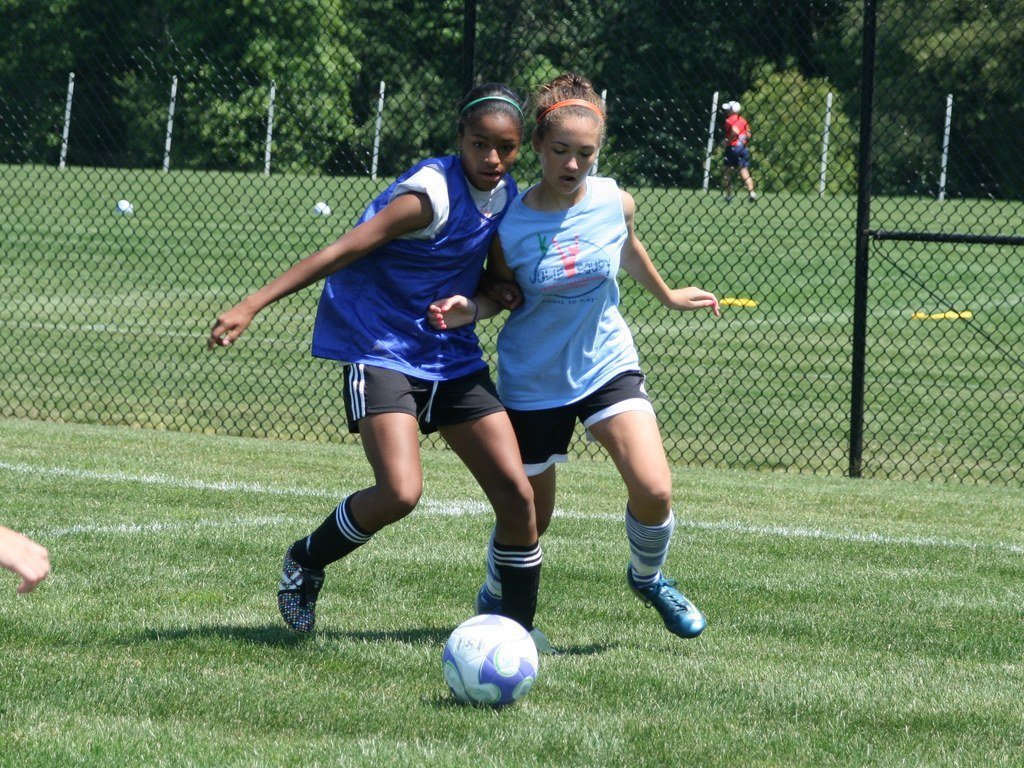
[(347, 525), (517, 557), (648, 547)]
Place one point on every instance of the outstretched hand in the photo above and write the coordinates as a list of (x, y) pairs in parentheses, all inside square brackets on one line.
[(22, 556), (229, 326), (688, 299), (453, 312)]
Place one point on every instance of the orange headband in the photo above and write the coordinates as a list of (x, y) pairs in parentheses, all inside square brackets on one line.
[(571, 103)]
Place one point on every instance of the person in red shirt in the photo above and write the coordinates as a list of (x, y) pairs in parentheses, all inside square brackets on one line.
[(737, 155)]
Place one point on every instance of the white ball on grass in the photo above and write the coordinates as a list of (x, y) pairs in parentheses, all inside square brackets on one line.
[(125, 208), (490, 660), (321, 209)]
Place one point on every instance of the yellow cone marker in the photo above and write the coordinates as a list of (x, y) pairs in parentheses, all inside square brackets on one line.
[(965, 315), (731, 301)]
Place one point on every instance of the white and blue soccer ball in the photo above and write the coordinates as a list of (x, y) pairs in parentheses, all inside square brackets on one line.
[(322, 209), (124, 208), (490, 660)]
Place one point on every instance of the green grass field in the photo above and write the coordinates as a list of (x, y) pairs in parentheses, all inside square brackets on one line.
[(851, 623), (105, 318)]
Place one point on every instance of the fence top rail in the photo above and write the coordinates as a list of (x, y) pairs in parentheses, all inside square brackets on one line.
[(945, 237)]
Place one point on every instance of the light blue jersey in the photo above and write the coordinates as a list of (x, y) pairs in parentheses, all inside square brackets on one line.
[(568, 338)]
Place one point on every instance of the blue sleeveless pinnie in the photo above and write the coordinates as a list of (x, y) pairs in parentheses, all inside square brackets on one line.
[(374, 310)]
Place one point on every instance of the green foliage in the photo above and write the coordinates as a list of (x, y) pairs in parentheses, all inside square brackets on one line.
[(787, 112), (415, 48), (659, 61), (125, 58), (303, 47), (36, 55), (972, 50), (659, 102)]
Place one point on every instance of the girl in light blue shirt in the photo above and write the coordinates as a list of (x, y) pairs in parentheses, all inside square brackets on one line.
[(565, 353)]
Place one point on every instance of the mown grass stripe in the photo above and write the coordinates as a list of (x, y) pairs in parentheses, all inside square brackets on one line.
[(447, 508)]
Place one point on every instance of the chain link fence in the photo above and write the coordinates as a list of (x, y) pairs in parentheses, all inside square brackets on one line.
[(221, 129)]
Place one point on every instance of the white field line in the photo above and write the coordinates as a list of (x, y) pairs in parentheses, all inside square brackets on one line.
[(454, 508), (124, 330), (139, 330)]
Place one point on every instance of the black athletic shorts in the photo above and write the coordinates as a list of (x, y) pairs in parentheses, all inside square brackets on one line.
[(544, 436), (370, 389)]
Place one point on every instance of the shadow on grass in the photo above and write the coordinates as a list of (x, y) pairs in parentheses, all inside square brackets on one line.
[(270, 636), (447, 702), (281, 637)]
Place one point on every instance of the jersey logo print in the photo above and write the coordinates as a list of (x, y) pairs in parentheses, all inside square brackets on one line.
[(569, 272), (568, 255)]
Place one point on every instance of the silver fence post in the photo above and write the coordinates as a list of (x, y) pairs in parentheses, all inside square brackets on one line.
[(711, 141), (67, 120), (270, 128), (824, 145), (376, 133), (170, 123), (604, 108), (945, 146)]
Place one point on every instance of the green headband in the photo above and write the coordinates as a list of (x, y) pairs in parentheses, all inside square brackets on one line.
[(492, 98)]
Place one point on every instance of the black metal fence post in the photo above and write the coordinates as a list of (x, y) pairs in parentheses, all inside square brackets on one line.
[(860, 288)]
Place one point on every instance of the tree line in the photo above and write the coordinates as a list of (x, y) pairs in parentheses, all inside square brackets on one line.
[(659, 61)]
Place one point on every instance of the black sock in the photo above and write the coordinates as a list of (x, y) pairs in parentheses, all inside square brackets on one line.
[(519, 568), (338, 535)]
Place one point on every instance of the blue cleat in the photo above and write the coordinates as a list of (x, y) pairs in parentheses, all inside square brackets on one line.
[(297, 593), (486, 602), (681, 617)]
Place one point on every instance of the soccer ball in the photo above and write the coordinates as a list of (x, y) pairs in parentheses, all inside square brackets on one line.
[(321, 209), (491, 660), (125, 208)]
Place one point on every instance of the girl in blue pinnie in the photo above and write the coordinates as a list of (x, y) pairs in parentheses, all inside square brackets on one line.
[(426, 235)]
